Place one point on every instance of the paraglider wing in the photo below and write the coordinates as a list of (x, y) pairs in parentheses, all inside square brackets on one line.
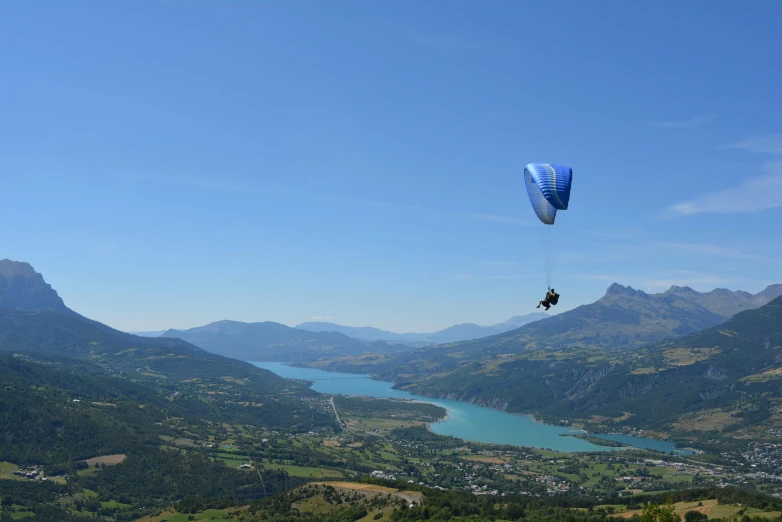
[(548, 187)]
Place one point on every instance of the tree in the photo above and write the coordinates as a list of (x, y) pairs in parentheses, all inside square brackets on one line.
[(515, 512), (694, 516), (660, 513)]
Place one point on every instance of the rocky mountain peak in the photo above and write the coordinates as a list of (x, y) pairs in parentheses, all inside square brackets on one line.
[(679, 290), (618, 290), (10, 269), (22, 288)]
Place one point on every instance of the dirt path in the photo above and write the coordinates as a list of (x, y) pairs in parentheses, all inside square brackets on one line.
[(334, 406), (371, 490)]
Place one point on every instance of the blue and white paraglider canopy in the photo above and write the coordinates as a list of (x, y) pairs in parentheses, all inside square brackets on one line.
[(548, 187)]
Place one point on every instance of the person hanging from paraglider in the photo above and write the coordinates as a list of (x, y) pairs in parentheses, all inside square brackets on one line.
[(552, 298), (548, 187)]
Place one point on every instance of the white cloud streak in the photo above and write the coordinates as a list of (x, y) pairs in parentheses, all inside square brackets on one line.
[(770, 144), (199, 182), (692, 123), (717, 250), (470, 277), (495, 218), (752, 195), (475, 216), (223, 185), (499, 263)]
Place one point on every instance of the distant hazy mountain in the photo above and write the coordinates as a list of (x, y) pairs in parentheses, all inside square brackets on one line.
[(498, 371), (269, 341), (623, 318), (366, 333), (156, 333), (459, 332), (726, 302)]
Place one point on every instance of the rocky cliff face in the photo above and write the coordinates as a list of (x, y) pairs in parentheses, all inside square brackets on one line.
[(22, 288)]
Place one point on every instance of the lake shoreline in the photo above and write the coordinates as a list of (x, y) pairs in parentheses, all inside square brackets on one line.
[(463, 420), (587, 436)]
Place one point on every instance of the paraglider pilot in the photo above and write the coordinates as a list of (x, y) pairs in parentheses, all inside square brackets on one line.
[(552, 298)]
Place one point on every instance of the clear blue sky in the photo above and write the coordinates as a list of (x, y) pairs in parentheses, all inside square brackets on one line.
[(168, 164)]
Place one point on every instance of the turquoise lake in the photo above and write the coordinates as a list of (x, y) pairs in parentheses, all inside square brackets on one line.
[(465, 421), (640, 442)]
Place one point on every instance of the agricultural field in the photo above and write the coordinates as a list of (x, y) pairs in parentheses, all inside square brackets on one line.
[(378, 426), (106, 460), (212, 515), (7, 470), (303, 471), (710, 507), (687, 356)]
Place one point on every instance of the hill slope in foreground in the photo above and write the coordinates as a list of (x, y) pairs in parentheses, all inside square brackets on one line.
[(35, 323)]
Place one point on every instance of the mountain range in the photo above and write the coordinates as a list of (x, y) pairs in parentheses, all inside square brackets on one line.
[(725, 378), (623, 319), (269, 341), (459, 332), (725, 302), (308, 342)]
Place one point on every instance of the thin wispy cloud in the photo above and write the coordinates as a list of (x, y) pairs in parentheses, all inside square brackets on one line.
[(752, 195), (514, 276), (227, 185), (198, 182), (470, 277), (475, 216), (499, 263), (496, 218), (618, 234), (321, 318), (700, 283), (692, 123), (348, 200), (717, 250), (770, 144), (599, 277)]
